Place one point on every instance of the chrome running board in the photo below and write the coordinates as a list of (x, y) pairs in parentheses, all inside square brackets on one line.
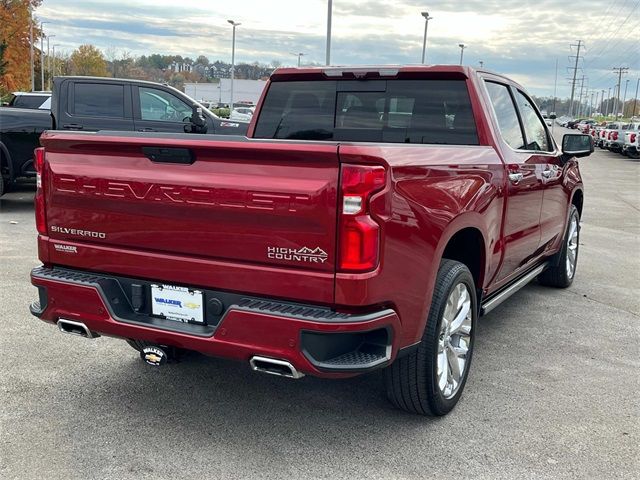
[(500, 297)]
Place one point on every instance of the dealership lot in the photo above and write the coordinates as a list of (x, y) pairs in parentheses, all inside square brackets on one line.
[(553, 390)]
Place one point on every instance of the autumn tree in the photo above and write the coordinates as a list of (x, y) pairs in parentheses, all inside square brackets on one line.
[(88, 60), (15, 23)]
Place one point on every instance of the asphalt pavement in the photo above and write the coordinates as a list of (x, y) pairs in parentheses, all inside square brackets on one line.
[(553, 390)]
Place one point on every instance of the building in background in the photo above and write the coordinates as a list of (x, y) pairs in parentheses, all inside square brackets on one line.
[(244, 91)]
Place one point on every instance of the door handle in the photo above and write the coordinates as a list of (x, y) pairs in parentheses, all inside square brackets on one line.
[(169, 155), (147, 129), (515, 177), (72, 126)]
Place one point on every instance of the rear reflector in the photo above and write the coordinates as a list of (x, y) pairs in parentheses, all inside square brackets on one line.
[(359, 236), (39, 204)]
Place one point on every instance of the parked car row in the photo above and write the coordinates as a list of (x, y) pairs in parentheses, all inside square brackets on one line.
[(618, 137)]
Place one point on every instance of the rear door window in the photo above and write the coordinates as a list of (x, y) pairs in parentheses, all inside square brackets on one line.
[(390, 111), (98, 100)]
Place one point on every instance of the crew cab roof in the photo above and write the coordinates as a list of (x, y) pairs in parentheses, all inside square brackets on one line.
[(378, 71)]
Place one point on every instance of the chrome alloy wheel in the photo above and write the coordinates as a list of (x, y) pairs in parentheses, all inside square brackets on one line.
[(572, 247), (454, 340)]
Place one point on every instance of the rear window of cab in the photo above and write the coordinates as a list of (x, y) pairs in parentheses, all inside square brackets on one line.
[(387, 111)]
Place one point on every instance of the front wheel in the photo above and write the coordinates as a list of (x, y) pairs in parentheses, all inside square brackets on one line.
[(562, 274), (430, 380)]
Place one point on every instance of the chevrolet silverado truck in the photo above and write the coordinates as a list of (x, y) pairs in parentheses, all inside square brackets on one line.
[(96, 103), (366, 221)]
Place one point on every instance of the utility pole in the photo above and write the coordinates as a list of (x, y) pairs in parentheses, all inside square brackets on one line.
[(601, 101), (624, 97), (635, 98), (608, 102), (620, 71), (424, 40), (329, 11), (575, 74), (33, 72), (596, 107), (591, 105), (580, 96)]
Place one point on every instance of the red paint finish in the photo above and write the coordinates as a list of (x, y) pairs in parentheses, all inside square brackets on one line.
[(237, 217)]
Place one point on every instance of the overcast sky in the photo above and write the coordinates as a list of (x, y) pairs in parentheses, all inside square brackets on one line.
[(519, 38)]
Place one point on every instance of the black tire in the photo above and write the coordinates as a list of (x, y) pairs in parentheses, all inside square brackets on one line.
[(4, 179), (412, 381), (138, 345), (557, 275)]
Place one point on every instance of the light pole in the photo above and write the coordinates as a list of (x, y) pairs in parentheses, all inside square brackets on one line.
[(481, 64), (42, 55), (608, 102), (424, 41), (53, 66), (33, 73), (298, 55), (49, 61), (462, 47), (233, 58), (328, 51)]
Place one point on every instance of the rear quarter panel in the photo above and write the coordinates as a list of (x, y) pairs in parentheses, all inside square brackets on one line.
[(433, 192)]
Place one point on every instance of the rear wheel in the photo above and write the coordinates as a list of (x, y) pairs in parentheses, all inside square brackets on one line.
[(430, 380), (4, 175), (562, 274)]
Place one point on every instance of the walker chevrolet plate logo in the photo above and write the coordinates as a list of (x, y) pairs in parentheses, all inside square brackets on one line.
[(65, 248), (303, 254), (154, 356)]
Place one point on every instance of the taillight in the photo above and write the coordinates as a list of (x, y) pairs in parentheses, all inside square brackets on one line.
[(41, 219), (614, 135), (633, 138), (359, 237)]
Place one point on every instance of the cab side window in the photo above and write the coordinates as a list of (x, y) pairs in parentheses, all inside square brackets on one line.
[(534, 129), (158, 105), (506, 114)]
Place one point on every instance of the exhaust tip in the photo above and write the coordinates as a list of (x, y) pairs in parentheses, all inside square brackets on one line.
[(273, 366), (75, 328)]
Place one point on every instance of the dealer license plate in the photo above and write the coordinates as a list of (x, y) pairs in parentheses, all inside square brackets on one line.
[(177, 303)]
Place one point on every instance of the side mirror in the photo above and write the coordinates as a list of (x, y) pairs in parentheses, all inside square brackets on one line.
[(577, 145), (198, 123)]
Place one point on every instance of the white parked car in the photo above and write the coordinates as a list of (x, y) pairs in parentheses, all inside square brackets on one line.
[(242, 114), (631, 146)]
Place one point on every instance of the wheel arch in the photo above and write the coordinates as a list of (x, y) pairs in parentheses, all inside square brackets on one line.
[(577, 199)]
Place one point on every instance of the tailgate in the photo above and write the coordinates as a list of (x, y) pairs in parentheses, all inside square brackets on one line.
[(219, 212)]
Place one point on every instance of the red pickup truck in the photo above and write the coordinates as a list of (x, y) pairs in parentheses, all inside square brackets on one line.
[(370, 216)]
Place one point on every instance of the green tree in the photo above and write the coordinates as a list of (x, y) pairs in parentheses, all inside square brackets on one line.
[(88, 60)]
